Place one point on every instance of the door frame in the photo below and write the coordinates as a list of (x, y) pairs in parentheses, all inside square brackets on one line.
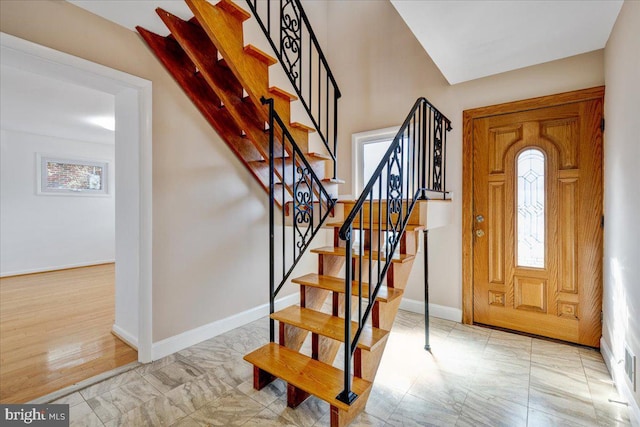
[(468, 117), (133, 155)]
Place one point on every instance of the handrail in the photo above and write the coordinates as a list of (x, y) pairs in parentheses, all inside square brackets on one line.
[(288, 41), (413, 166), (385, 158), (301, 194)]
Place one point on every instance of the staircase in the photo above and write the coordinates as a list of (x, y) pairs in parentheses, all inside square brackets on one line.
[(351, 301), (320, 314)]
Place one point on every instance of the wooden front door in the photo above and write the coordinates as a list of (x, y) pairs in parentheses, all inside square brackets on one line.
[(536, 215)]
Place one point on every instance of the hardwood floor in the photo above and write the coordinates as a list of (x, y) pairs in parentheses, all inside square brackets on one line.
[(55, 330)]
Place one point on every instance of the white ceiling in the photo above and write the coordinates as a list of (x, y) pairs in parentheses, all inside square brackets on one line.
[(130, 13), (467, 39), (470, 39), (42, 105)]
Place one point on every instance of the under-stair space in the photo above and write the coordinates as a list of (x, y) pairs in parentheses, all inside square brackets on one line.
[(331, 343)]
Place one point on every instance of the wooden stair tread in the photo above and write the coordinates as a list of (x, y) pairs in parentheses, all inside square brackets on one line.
[(367, 226), (320, 156), (302, 126), (340, 251), (259, 54), (282, 93), (336, 284), (328, 326), (316, 378), (334, 180), (233, 9)]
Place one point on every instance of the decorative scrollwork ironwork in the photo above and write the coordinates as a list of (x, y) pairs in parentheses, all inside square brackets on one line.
[(437, 151), (291, 39), (394, 196), (303, 205)]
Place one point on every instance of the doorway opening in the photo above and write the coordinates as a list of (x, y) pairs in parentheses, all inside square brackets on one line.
[(133, 165)]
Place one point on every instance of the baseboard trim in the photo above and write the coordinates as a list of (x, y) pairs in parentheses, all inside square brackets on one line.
[(125, 336), (56, 268), (186, 339), (617, 373), (435, 310)]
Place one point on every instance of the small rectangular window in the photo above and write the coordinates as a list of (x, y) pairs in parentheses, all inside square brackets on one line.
[(73, 177)]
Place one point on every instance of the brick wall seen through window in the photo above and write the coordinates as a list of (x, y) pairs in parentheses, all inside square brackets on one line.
[(73, 177), (63, 176)]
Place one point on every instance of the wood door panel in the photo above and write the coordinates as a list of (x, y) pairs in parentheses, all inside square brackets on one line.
[(568, 250), (500, 139), (554, 287), (496, 231), (565, 134), (530, 293), (568, 309)]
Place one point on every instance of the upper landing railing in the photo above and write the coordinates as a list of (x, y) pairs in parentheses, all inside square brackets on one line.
[(287, 27)]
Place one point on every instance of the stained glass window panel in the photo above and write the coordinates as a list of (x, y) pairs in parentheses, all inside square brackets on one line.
[(531, 206)]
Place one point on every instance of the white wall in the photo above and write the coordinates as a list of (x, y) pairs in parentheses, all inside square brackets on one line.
[(621, 325), (48, 232)]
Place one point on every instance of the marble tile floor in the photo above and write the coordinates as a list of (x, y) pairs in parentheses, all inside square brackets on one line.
[(474, 377)]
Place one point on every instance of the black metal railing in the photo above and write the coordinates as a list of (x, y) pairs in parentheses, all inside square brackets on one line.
[(304, 205), (412, 169), (292, 38)]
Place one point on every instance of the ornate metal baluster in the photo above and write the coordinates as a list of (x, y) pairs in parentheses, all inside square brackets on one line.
[(437, 151), (290, 39)]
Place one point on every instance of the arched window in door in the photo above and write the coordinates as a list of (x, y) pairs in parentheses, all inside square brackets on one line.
[(531, 208)]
